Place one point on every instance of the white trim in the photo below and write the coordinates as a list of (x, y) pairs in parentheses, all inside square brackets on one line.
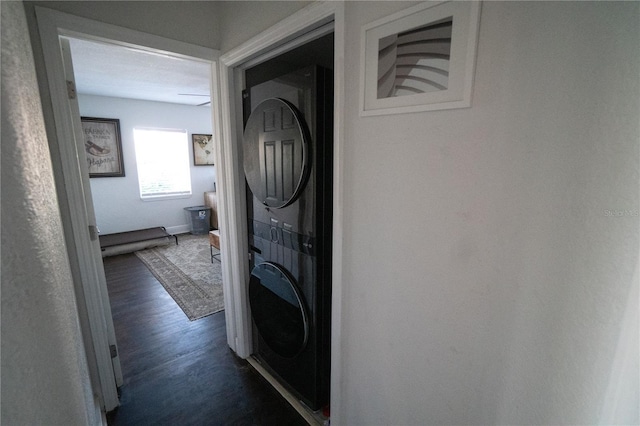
[(308, 19), (74, 182), (337, 282), (225, 198), (177, 230), (299, 41), (92, 291), (311, 17), (233, 249), (75, 26)]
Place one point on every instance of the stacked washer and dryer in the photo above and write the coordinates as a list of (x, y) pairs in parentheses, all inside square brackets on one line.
[(288, 157)]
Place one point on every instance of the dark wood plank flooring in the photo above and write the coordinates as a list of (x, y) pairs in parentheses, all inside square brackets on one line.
[(178, 372)]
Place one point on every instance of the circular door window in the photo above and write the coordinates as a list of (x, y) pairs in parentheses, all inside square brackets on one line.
[(278, 310), (276, 152)]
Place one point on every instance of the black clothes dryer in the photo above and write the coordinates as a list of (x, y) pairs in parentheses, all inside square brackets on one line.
[(287, 154)]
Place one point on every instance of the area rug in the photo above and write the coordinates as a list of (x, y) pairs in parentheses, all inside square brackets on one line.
[(188, 275)]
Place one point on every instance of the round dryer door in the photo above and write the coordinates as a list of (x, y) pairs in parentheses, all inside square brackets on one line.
[(276, 152), (278, 310)]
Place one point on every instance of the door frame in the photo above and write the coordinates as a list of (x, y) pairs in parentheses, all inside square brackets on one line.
[(294, 29), (72, 180)]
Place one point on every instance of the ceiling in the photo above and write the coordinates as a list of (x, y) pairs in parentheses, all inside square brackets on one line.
[(122, 72)]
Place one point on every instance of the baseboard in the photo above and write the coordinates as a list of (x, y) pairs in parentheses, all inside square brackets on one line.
[(180, 229), (313, 418)]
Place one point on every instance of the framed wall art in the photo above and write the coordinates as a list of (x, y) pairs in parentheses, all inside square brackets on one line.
[(103, 146), (420, 59), (202, 150)]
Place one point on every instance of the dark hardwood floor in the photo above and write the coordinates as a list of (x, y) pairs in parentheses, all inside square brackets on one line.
[(178, 372)]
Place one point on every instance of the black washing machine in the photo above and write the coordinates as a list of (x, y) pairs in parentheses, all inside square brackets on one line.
[(288, 157)]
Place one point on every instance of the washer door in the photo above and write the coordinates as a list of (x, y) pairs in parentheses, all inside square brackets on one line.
[(276, 152), (278, 310)]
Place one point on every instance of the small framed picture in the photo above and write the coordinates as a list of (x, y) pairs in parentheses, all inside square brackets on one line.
[(202, 150), (103, 146), (420, 59)]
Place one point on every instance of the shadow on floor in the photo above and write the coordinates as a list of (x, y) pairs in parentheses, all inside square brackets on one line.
[(176, 371)]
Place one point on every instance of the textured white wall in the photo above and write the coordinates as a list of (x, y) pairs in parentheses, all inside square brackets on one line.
[(240, 20), (488, 269), (44, 371), (117, 200), (189, 21), (489, 252)]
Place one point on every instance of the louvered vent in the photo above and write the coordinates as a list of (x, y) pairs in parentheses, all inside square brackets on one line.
[(415, 61)]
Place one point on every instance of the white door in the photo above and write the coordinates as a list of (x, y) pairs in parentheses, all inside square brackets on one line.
[(104, 362)]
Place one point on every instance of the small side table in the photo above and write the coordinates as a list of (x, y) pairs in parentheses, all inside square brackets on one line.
[(214, 241)]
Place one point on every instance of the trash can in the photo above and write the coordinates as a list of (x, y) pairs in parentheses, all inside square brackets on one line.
[(198, 219)]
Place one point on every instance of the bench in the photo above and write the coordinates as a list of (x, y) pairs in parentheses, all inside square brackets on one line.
[(125, 242)]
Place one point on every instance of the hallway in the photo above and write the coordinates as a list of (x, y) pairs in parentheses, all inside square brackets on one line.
[(177, 371)]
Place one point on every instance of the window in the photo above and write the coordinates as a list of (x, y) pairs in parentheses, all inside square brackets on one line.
[(162, 157)]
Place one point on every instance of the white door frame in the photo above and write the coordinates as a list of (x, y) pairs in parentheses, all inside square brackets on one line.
[(91, 291), (235, 244)]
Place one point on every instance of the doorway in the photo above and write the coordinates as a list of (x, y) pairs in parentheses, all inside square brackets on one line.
[(140, 91), (227, 133), (287, 156), (72, 178), (148, 92), (309, 24)]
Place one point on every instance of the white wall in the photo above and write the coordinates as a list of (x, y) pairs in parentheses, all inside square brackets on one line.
[(189, 21), (45, 378), (489, 253), (486, 281), (240, 20), (117, 200), (487, 271)]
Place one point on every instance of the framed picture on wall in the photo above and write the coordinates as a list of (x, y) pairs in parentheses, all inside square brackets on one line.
[(103, 146), (202, 150), (420, 59)]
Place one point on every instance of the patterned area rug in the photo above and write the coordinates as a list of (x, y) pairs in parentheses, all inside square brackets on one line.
[(188, 275)]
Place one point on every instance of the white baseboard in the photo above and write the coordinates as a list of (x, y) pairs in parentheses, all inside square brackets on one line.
[(180, 229)]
